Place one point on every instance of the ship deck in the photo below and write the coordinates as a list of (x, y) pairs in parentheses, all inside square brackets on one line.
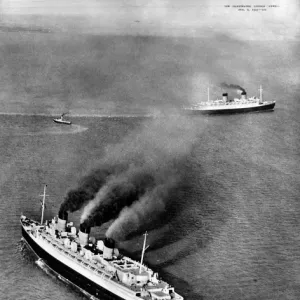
[(92, 265)]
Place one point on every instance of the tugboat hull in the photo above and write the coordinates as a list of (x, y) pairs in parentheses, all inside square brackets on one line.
[(62, 122)]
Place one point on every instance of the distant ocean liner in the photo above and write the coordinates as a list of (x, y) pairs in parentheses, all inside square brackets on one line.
[(226, 106), (94, 267)]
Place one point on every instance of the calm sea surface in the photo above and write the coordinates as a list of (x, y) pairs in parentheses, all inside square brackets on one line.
[(233, 234)]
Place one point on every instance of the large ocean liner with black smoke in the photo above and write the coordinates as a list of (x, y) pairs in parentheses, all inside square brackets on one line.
[(229, 106), (95, 267), (134, 185)]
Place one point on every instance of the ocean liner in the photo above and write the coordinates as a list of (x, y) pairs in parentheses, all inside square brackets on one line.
[(95, 267), (230, 106)]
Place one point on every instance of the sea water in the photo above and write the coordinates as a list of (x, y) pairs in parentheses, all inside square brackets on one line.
[(232, 234)]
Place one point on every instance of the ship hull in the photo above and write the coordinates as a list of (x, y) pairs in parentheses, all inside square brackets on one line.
[(62, 122), (232, 110), (77, 280)]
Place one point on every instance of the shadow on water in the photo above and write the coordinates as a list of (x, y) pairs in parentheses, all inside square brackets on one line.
[(191, 211)]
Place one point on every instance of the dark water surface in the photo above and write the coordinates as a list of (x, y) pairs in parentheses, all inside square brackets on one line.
[(233, 234)]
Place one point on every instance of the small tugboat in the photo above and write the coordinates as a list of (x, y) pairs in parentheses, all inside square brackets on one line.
[(96, 268), (231, 106), (61, 120)]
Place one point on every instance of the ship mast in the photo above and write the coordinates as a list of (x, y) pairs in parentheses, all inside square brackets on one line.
[(143, 251), (43, 203), (260, 94), (208, 94)]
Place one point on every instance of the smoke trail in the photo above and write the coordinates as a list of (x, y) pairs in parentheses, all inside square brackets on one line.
[(143, 166), (88, 187), (165, 144), (145, 211), (114, 195), (232, 86)]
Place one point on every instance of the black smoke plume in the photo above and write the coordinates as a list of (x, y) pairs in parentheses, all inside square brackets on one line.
[(232, 86), (143, 212), (118, 193), (88, 187), (137, 176)]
